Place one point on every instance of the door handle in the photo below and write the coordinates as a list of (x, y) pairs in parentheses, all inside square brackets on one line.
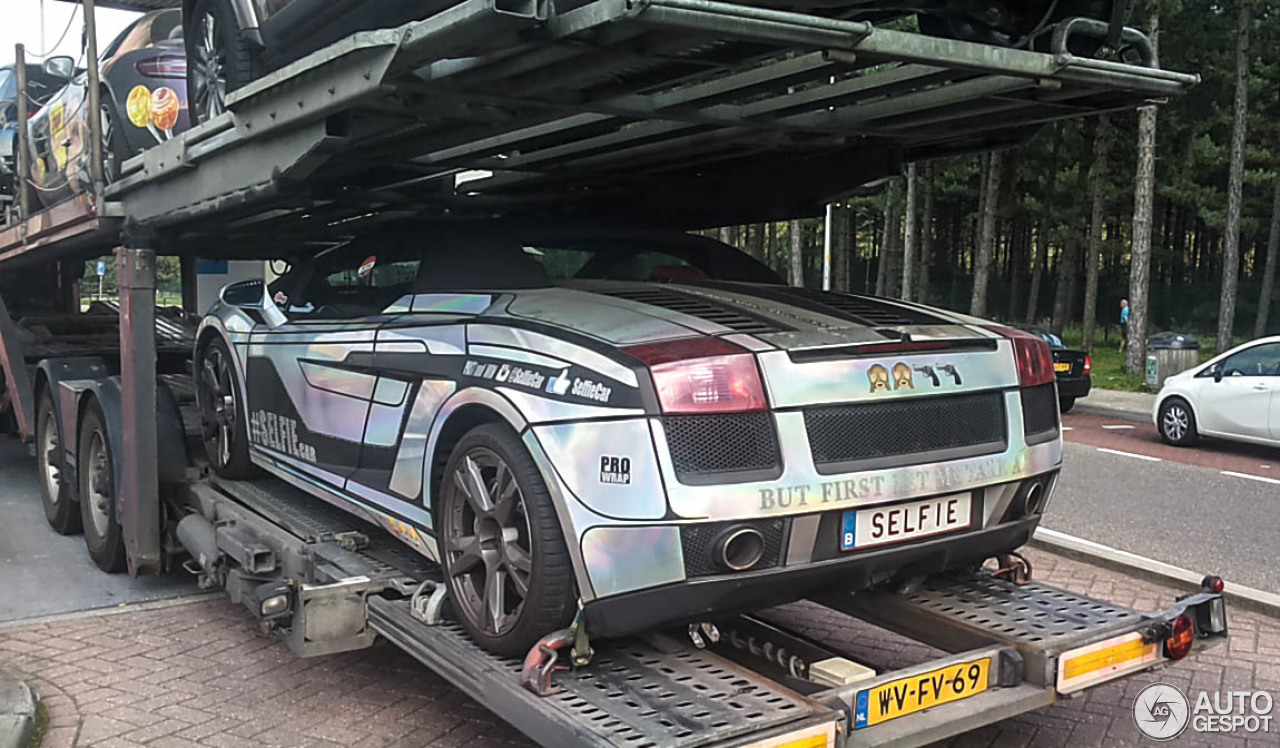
[(1260, 387)]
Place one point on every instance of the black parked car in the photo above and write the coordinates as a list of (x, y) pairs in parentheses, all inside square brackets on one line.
[(1074, 369)]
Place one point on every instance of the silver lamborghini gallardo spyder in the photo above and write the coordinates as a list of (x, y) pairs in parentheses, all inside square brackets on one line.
[(651, 425)]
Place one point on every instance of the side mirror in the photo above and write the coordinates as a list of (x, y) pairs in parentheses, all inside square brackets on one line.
[(61, 66), (252, 294), (245, 294), (1216, 371)]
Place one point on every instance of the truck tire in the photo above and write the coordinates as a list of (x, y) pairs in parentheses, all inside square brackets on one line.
[(60, 506), (222, 429), (103, 536), (219, 60), (506, 563)]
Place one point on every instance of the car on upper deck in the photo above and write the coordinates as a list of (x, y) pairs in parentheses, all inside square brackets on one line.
[(142, 102), (231, 43), (649, 423), (43, 81)]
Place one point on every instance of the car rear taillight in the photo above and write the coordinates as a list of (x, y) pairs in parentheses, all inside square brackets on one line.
[(1088, 366), (1035, 361), (1178, 645), (702, 375), (164, 66)]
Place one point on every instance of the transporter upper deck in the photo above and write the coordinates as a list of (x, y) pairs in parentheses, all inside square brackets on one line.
[(680, 113)]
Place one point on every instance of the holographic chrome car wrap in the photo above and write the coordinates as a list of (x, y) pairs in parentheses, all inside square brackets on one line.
[(551, 363)]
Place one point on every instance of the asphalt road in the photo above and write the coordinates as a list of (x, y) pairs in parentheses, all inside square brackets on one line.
[(41, 572), (1213, 509)]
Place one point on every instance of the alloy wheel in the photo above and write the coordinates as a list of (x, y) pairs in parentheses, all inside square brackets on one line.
[(209, 70), (489, 543), (1176, 422), (218, 411)]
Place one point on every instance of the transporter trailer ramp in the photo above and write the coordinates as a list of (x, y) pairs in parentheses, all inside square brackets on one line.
[(683, 113)]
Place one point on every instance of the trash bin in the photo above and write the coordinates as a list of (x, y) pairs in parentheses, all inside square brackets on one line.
[(1169, 353)]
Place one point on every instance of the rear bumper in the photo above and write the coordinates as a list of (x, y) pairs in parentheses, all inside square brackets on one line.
[(699, 599), (1074, 386)]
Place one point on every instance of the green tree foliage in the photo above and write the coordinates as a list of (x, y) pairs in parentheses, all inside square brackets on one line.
[(1039, 196)]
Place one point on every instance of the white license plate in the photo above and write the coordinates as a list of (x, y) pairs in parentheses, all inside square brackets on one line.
[(898, 523)]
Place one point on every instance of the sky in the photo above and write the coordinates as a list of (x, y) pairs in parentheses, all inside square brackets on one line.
[(21, 24)]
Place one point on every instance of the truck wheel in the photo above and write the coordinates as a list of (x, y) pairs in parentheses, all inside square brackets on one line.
[(1065, 404), (1177, 423), (219, 60), (224, 432), (508, 569), (60, 507), (102, 534)]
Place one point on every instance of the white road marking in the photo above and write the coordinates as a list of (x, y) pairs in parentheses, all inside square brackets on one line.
[(1148, 458), (1067, 428), (1115, 426), (1250, 477)]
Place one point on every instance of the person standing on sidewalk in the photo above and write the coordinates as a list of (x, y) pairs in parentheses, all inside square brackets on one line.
[(1124, 323)]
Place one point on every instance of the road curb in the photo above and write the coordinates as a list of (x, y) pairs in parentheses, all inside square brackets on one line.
[(1116, 413), (17, 711), (1247, 598)]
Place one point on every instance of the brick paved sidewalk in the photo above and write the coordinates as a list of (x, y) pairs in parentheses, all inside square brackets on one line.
[(199, 675)]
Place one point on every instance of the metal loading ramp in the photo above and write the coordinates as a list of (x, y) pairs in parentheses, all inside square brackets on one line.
[(683, 112)]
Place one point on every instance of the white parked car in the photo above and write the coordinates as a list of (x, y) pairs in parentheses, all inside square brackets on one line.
[(1234, 396)]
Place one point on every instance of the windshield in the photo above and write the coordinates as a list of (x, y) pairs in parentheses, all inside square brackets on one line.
[(8, 84)]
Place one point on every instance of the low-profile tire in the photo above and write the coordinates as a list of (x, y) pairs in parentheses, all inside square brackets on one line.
[(219, 59), (222, 426), (60, 506), (1065, 404), (103, 536), (498, 527), (1177, 423)]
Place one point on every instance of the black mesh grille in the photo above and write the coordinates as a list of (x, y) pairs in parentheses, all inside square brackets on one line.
[(733, 442), (698, 307), (867, 311), (699, 544), (910, 429), (1040, 410)]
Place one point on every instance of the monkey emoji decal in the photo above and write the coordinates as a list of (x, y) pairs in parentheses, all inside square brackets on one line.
[(879, 377), (902, 377)]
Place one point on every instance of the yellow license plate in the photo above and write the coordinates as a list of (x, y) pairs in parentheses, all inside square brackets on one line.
[(1062, 367), (915, 693)]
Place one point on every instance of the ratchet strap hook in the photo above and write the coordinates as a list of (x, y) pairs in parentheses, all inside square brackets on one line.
[(540, 663), (1013, 567)]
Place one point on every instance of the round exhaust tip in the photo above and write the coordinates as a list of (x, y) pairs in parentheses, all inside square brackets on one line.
[(740, 549), (1033, 500)]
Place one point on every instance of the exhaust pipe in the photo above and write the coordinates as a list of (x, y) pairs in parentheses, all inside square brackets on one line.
[(198, 536), (1033, 499), (740, 548)]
